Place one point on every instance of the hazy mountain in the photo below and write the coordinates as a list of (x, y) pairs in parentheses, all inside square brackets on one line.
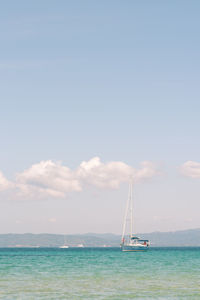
[(158, 239)]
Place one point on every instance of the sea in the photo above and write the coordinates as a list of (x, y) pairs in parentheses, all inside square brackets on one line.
[(99, 273)]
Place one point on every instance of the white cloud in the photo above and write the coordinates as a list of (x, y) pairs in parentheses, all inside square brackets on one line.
[(48, 179), (147, 170), (101, 175), (191, 169), (52, 179), (111, 174), (4, 183)]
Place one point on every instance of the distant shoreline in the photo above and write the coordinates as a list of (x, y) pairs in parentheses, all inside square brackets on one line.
[(183, 238)]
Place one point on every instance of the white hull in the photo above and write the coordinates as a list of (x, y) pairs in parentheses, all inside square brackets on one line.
[(128, 248)]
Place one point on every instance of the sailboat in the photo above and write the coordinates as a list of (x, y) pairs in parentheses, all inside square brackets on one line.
[(131, 242)]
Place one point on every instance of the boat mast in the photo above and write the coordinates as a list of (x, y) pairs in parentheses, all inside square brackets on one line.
[(131, 206), (125, 215), (128, 211)]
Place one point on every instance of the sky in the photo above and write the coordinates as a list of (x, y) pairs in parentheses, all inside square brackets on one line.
[(91, 92)]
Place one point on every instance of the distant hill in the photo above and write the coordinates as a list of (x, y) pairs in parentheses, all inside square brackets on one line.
[(158, 239), (181, 238)]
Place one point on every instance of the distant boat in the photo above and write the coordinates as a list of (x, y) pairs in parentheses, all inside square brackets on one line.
[(80, 246), (65, 246), (130, 242)]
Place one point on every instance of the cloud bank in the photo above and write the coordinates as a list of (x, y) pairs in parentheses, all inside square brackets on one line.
[(52, 179), (191, 169), (47, 178), (4, 183)]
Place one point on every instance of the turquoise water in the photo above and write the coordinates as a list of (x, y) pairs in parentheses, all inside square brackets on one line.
[(164, 273)]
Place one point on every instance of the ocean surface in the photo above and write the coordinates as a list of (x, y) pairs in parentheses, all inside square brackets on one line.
[(104, 273)]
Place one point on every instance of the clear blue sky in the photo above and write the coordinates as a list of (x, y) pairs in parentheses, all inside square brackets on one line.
[(114, 79)]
